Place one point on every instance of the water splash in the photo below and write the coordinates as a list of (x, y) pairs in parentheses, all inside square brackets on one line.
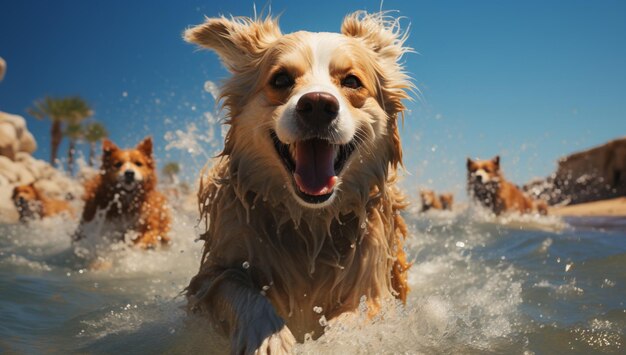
[(471, 292)]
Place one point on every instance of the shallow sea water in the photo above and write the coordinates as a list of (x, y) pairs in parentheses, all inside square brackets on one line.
[(517, 285)]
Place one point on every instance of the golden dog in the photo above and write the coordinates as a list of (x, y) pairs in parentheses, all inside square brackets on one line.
[(303, 216), (487, 185), (33, 204), (125, 192)]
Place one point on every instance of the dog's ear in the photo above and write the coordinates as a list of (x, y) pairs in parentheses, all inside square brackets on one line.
[(108, 147), (470, 162), (496, 161), (145, 146), (239, 41), (380, 33)]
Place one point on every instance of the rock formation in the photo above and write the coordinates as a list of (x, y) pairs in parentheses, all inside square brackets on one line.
[(595, 174), (18, 167)]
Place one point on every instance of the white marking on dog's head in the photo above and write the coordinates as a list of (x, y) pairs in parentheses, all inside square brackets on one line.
[(483, 175), (129, 176), (322, 46)]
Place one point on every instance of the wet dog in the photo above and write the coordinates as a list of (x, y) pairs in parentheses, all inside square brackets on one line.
[(430, 200), (124, 198), (487, 185), (303, 215), (33, 204), (447, 201)]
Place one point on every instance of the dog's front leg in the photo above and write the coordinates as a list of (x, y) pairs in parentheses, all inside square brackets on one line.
[(242, 312)]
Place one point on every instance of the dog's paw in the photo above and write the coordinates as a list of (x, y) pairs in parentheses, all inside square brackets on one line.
[(277, 343), (263, 337)]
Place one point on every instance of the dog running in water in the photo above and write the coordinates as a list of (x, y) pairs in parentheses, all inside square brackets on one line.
[(302, 209), (124, 194), (487, 185)]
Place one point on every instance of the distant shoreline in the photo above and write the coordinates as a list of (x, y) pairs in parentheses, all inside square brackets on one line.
[(615, 207)]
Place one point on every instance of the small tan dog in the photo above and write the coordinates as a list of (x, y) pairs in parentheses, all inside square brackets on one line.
[(430, 200), (125, 192), (302, 212), (33, 204), (487, 185), (447, 201)]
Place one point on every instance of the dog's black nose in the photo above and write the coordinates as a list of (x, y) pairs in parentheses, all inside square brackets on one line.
[(129, 176), (317, 109)]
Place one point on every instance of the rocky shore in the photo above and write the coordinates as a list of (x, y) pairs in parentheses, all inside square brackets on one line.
[(19, 167)]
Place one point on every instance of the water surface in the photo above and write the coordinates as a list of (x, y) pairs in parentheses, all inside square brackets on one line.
[(479, 285)]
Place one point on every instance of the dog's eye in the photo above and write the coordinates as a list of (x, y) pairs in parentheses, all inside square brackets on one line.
[(281, 81), (351, 82), (139, 164), (118, 165)]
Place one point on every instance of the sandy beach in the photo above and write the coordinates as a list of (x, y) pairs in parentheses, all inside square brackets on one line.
[(613, 208)]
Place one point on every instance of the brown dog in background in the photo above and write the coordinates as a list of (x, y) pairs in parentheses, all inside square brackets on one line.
[(447, 201), (487, 185), (33, 204), (125, 193), (430, 200), (302, 211)]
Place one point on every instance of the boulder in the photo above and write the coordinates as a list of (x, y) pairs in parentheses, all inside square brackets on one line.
[(9, 143), (598, 173), (14, 137), (8, 169)]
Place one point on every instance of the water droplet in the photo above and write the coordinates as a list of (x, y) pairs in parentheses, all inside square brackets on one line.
[(323, 321), (460, 244), (245, 265), (363, 225), (317, 309), (265, 288)]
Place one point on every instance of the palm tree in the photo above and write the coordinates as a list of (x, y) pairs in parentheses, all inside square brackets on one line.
[(51, 108), (77, 111), (73, 132), (72, 110), (170, 170), (94, 133)]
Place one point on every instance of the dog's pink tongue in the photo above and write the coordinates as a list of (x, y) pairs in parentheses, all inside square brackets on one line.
[(315, 173)]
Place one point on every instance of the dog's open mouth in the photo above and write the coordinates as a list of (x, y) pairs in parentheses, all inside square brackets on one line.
[(315, 164)]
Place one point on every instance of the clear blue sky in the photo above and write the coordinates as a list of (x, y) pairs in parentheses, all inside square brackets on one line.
[(531, 80)]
